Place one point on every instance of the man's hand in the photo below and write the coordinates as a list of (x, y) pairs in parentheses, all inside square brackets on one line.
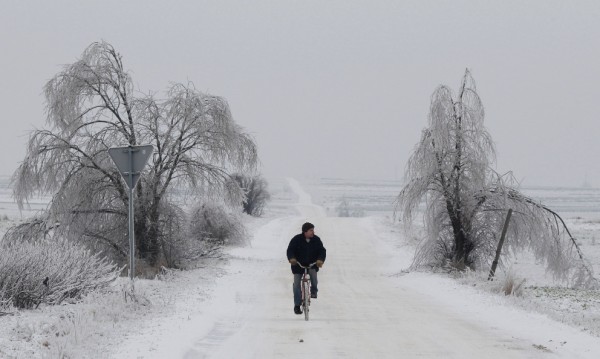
[(319, 263), (293, 261)]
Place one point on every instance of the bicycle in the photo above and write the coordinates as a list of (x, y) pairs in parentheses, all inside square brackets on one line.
[(305, 285)]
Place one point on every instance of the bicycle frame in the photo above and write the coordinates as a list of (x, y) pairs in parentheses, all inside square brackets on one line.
[(305, 285)]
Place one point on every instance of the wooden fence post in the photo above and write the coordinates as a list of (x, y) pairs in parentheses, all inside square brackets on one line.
[(495, 263)]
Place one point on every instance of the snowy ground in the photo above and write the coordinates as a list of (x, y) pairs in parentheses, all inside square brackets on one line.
[(241, 306)]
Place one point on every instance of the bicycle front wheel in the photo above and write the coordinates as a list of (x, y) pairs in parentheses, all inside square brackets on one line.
[(306, 301)]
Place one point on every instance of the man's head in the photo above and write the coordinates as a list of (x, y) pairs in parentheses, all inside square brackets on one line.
[(308, 229)]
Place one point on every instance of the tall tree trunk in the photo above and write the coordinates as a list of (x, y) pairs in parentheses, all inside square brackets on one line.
[(462, 243)]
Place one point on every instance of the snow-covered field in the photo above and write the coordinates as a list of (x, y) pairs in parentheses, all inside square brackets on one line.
[(241, 305)]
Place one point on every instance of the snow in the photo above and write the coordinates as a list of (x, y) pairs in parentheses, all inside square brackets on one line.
[(368, 306)]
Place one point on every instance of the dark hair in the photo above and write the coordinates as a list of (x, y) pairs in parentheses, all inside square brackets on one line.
[(306, 226)]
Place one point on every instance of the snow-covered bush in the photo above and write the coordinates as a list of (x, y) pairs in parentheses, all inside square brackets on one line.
[(50, 272), (176, 246), (343, 209), (187, 237), (512, 285), (256, 194), (215, 226)]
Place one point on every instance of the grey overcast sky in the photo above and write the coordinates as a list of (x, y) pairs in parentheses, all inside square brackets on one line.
[(335, 88)]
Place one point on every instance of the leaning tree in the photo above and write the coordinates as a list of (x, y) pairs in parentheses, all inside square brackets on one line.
[(92, 106), (466, 201)]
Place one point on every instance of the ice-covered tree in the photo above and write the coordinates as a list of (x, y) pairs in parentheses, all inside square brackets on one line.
[(256, 193), (91, 106), (466, 201)]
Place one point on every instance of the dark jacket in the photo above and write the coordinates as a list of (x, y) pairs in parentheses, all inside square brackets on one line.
[(305, 252)]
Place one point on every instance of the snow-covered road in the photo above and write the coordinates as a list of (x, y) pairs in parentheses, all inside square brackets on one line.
[(361, 312)]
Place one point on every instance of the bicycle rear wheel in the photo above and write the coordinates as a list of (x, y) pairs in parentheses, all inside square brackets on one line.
[(306, 295)]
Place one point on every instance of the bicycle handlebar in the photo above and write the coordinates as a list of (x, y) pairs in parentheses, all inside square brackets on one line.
[(310, 265)]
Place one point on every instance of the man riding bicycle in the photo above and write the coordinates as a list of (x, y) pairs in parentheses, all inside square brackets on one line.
[(305, 248)]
